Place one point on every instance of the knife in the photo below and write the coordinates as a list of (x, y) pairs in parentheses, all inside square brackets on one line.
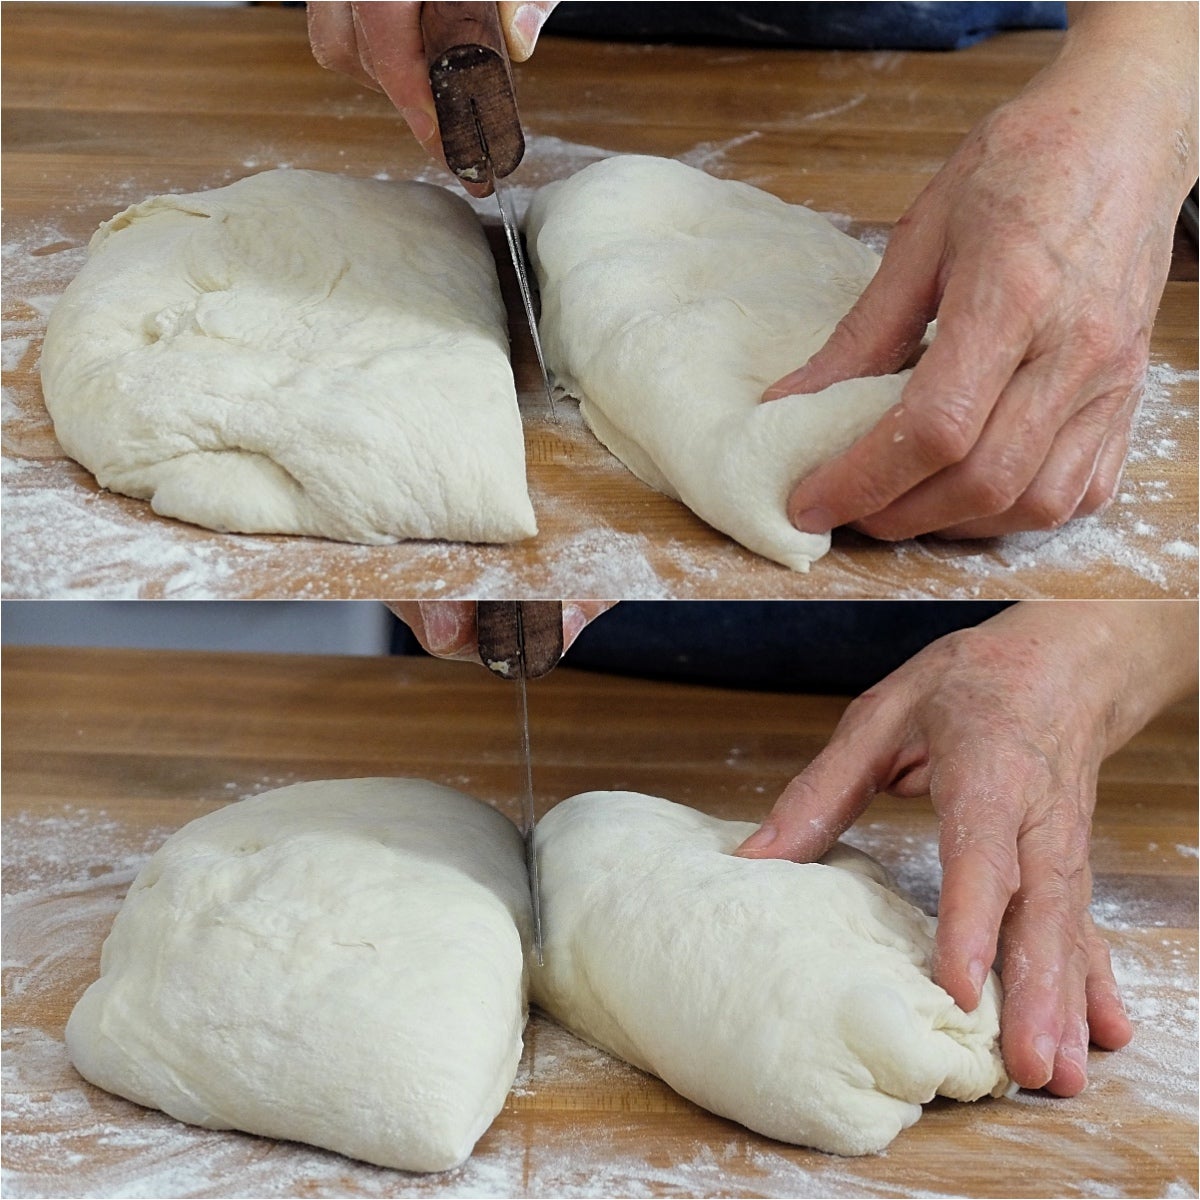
[(471, 78), (522, 640)]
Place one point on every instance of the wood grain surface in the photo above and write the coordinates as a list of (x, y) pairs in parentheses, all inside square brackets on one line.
[(107, 752), (108, 104)]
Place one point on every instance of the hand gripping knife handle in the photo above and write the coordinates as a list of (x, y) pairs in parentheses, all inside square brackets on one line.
[(472, 84), (525, 632)]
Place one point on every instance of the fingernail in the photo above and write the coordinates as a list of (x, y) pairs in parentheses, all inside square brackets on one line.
[(813, 520), (526, 25), (977, 971), (441, 628), (1044, 1046), (1077, 1054), (421, 122), (763, 837)]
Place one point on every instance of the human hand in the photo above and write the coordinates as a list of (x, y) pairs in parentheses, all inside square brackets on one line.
[(446, 628), (379, 44), (1042, 247), (1005, 726)]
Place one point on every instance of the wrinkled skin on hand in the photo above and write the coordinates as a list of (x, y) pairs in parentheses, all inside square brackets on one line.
[(1004, 726), (1042, 248), (379, 44)]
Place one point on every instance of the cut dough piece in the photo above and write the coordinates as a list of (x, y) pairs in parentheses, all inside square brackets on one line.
[(296, 353), (338, 963), (670, 301), (794, 999)]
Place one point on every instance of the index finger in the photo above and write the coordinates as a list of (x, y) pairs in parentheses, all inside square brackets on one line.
[(445, 628), (942, 412), (389, 38)]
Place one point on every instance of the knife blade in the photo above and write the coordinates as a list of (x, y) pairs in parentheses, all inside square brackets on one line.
[(471, 78), (522, 640)]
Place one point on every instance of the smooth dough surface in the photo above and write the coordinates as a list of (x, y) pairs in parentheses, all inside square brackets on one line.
[(338, 963), (793, 999), (670, 301), (298, 352)]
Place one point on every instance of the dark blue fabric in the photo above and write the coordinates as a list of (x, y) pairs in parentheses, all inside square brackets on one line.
[(883, 26), (833, 647)]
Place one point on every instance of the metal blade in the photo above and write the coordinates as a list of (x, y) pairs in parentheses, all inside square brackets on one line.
[(528, 816), (517, 253)]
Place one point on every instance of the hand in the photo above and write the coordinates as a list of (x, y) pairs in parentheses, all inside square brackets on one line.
[(446, 628), (379, 44), (1005, 726), (1042, 247)]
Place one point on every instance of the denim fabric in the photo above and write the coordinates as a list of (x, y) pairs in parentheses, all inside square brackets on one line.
[(831, 26), (837, 647)]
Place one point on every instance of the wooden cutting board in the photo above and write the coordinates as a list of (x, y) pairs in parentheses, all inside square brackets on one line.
[(108, 104), (107, 752)]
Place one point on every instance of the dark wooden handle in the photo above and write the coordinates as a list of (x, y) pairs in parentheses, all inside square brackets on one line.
[(499, 644), (471, 79)]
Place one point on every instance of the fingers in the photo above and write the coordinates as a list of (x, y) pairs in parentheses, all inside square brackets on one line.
[(1108, 1023), (941, 414), (579, 614), (1065, 484), (393, 54), (522, 22), (1027, 470), (885, 325), (447, 628), (1043, 1026), (825, 799), (333, 36), (979, 825), (1106, 480), (1014, 850)]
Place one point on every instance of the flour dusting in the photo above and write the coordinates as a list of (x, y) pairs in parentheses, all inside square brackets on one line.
[(64, 538), (67, 869)]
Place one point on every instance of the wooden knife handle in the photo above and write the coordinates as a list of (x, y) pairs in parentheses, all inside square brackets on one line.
[(471, 79), (499, 645)]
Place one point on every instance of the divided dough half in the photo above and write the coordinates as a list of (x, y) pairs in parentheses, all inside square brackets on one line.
[(670, 301), (298, 352), (338, 963), (795, 999)]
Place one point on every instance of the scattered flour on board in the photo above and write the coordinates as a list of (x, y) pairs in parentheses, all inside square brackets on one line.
[(66, 872), (66, 540)]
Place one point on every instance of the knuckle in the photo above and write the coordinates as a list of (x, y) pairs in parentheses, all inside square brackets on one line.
[(1101, 492), (1051, 504), (1130, 363), (865, 709), (944, 436), (1118, 356), (336, 56), (1052, 896), (990, 491), (1097, 336), (883, 528), (991, 858)]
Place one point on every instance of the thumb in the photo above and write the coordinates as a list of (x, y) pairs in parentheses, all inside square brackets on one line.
[(522, 23), (833, 791), (884, 326), (812, 812)]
